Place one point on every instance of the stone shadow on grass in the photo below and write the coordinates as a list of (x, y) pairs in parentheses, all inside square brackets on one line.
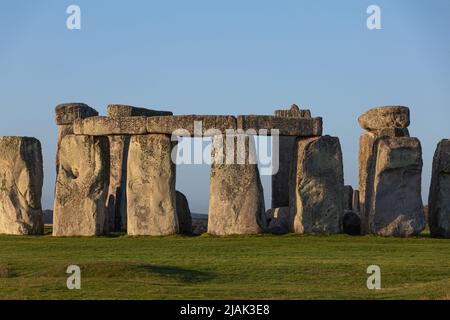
[(180, 274)]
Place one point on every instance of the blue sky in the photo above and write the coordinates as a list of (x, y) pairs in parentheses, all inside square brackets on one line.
[(227, 57)]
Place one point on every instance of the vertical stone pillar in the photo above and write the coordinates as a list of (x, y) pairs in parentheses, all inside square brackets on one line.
[(21, 177), (81, 186), (356, 206), (236, 203), (151, 194), (280, 180), (317, 186), (439, 197), (348, 198)]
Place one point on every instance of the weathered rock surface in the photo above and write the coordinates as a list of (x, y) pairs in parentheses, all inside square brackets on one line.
[(351, 223), (293, 112), (81, 186), (355, 202), (396, 207), (439, 197), (278, 220), (67, 113), (21, 186), (348, 198), (385, 117), (122, 110), (317, 186), (151, 194), (106, 126), (304, 127), (191, 125), (236, 204), (184, 214)]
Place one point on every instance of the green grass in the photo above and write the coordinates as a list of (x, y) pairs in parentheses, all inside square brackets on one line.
[(241, 267)]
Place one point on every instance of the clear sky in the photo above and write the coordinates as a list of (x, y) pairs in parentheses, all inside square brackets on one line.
[(227, 57)]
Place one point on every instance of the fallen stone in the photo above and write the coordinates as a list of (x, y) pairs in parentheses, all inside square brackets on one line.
[(278, 220), (106, 126), (67, 113), (151, 194), (439, 197), (396, 207), (21, 186), (385, 117), (351, 223), (184, 214), (81, 186), (348, 198), (317, 186), (122, 110), (304, 127)]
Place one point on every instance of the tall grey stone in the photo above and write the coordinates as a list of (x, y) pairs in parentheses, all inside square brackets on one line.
[(355, 201), (348, 198), (184, 214), (236, 204), (317, 186), (151, 194), (21, 180), (439, 197), (81, 186)]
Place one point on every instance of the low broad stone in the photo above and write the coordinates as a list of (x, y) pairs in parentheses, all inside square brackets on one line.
[(439, 197), (21, 186), (385, 117), (122, 110), (348, 198), (184, 214), (317, 186), (278, 220), (236, 204), (395, 207), (301, 127), (293, 112), (351, 223), (81, 186), (106, 126), (151, 194), (67, 113)]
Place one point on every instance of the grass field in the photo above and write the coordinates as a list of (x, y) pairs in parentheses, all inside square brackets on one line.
[(206, 267)]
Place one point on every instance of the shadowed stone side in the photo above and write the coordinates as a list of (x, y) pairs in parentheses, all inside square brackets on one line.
[(184, 214), (122, 110), (439, 197), (396, 207), (348, 198), (67, 113), (278, 220), (151, 195), (317, 186), (236, 204), (81, 186), (21, 180), (355, 201)]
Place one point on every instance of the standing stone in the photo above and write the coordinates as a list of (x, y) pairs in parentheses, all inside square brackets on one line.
[(278, 220), (439, 197), (395, 206), (236, 204), (81, 186), (151, 194), (184, 214), (355, 202), (351, 223), (21, 186), (317, 186), (348, 198), (280, 180)]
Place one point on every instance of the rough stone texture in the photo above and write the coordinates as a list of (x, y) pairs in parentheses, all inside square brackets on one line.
[(81, 186), (302, 127), (21, 176), (106, 126), (317, 186), (395, 206), (184, 214), (122, 110), (391, 132), (355, 201), (278, 220), (236, 204), (351, 223), (168, 125), (348, 198), (63, 130), (293, 112), (385, 117), (116, 219), (439, 197), (67, 113), (151, 194)]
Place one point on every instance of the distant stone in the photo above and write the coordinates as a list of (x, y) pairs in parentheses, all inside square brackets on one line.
[(293, 112), (304, 127), (151, 194), (199, 224), (385, 117), (351, 223), (317, 186), (21, 186), (122, 110), (184, 214), (67, 113), (81, 186), (278, 220), (439, 196), (355, 202), (348, 198), (47, 216)]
